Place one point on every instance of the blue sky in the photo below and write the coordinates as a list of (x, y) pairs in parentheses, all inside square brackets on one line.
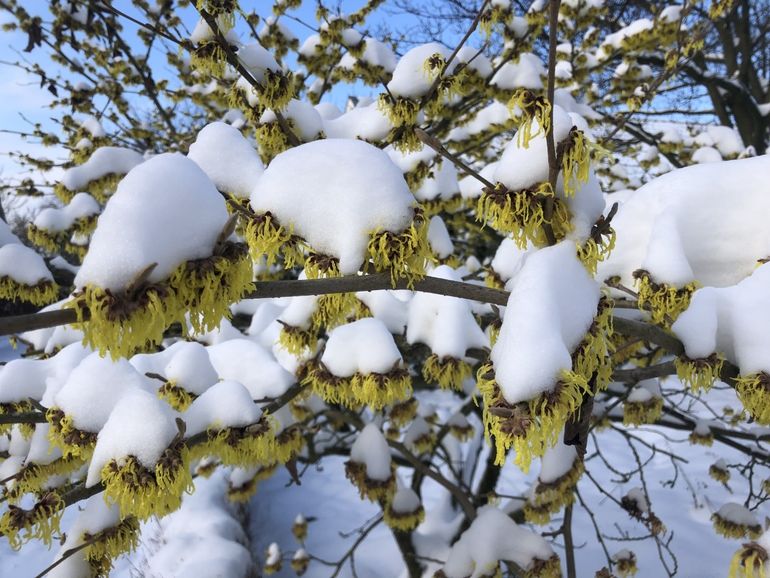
[(23, 98)]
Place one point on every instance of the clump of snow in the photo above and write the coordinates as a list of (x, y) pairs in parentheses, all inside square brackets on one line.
[(410, 77), (257, 60), (410, 160), (726, 140), (439, 239), (638, 498), (492, 537), (204, 538), (645, 391), (142, 223), (716, 210), (22, 379), (6, 235), (734, 321), (528, 73), (104, 161), (228, 159), (371, 449), (615, 40), (364, 346), (95, 387), (737, 514), (471, 187), (334, 193), (706, 154), (552, 304), (390, 307), (140, 425), (418, 430), (92, 125), (362, 122), (378, 53), (445, 324), (23, 265), (299, 311), (475, 60), (252, 365), (492, 115), (202, 32), (509, 259), (226, 404), (273, 555), (304, 119), (328, 111), (405, 500), (52, 219), (557, 461), (191, 368), (440, 184)]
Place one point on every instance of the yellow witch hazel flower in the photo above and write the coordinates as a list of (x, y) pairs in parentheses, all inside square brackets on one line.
[(404, 511), (624, 563), (522, 200), (243, 482), (335, 308), (719, 471), (225, 422), (275, 86), (555, 487), (701, 373), (41, 522), (460, 427), (403, 412), (53, 227), (207, 55), (140, 458), (289, 441), (702, 434), (665, 302), (303, 320), (35, 477), (348, 202), (360, 365), (532, 109), (552, 350), (101, 535), (644, 404), (751, 561), (413, 78), (369, 467), (736, 521), (150, 264), (754, 393)]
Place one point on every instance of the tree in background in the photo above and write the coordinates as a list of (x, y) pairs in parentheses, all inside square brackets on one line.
[(505, 242)]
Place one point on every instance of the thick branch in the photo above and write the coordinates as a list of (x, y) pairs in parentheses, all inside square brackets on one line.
[(292, 288)]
